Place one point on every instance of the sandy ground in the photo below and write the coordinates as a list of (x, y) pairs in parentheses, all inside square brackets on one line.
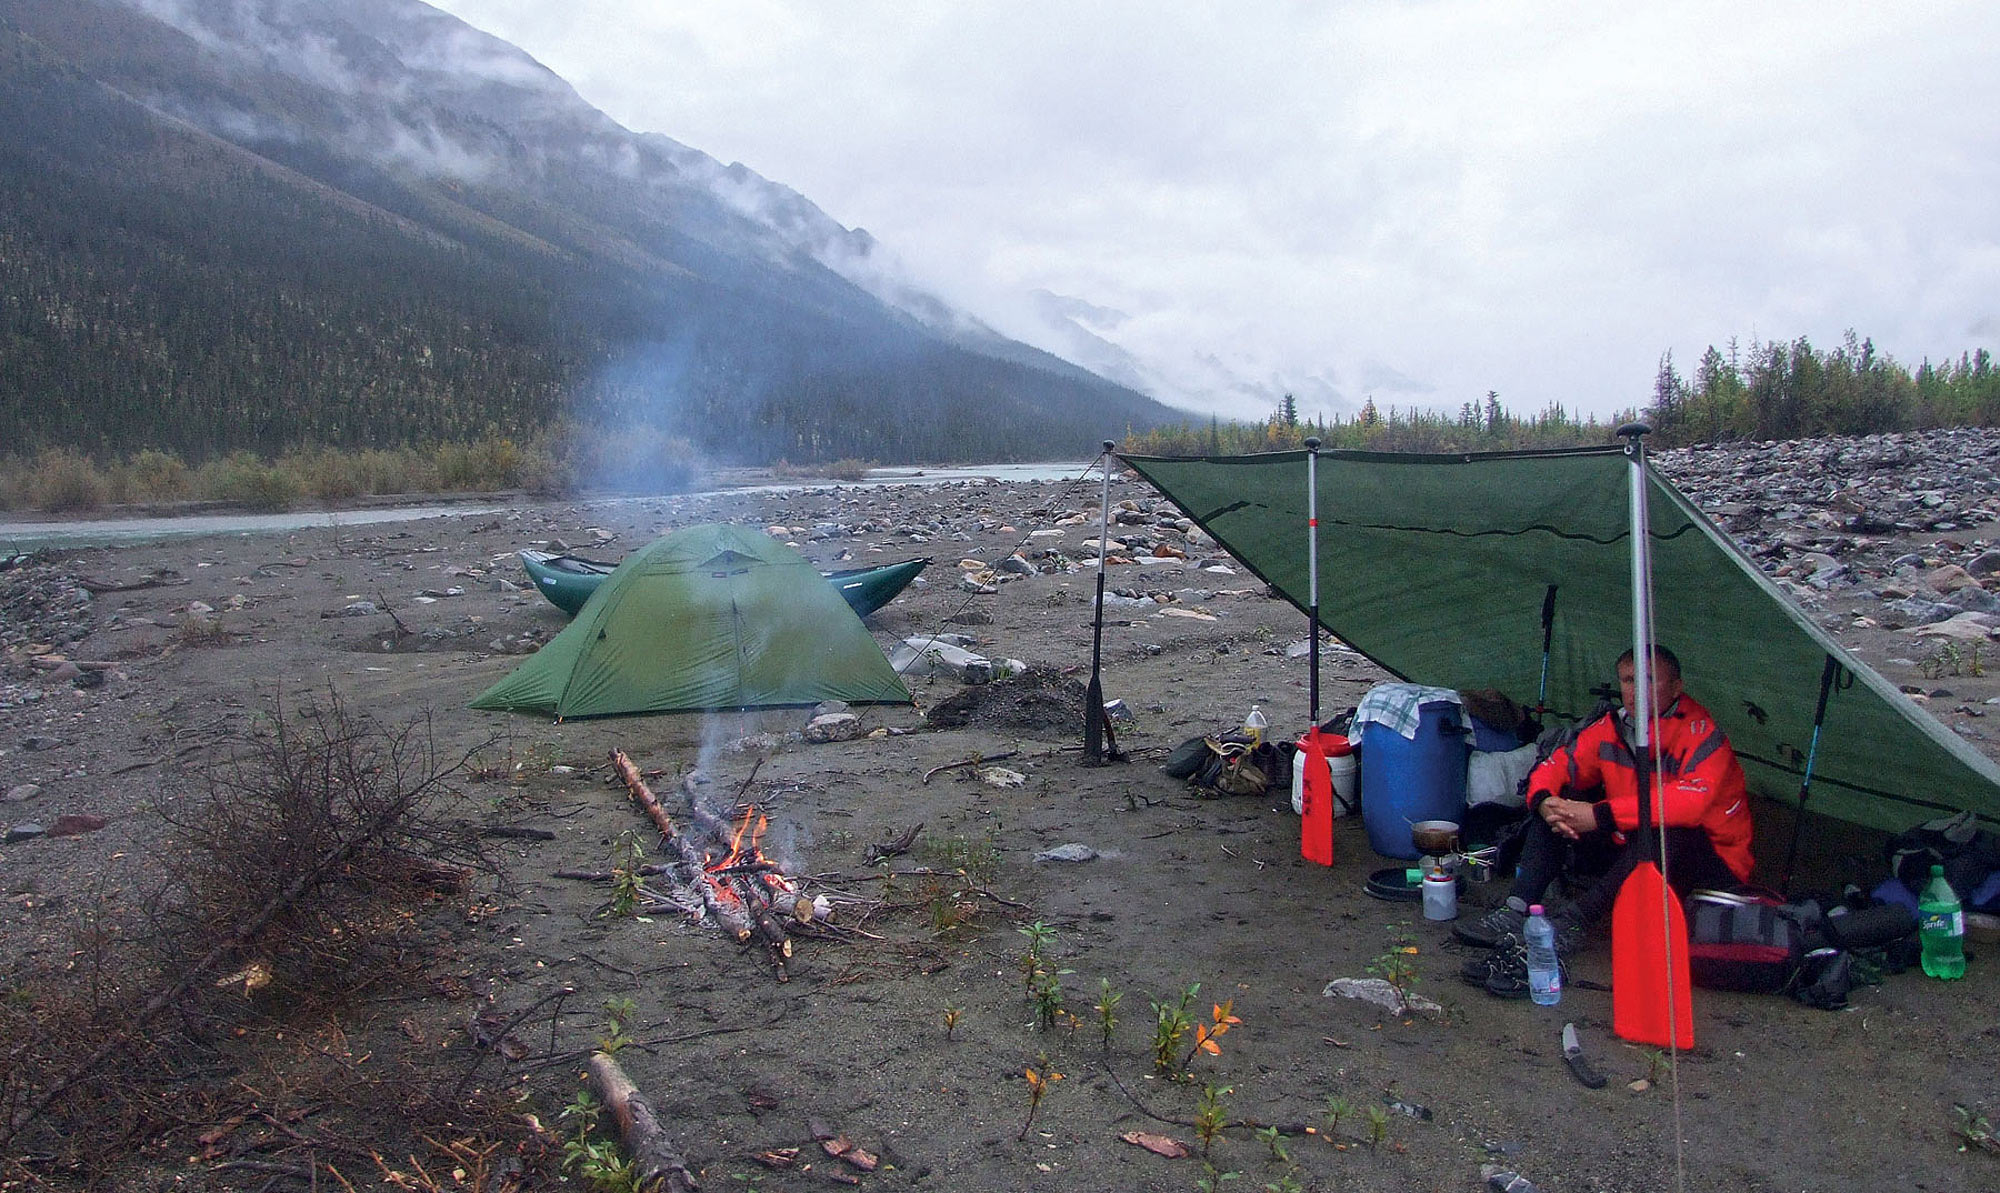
[(1183, 891)]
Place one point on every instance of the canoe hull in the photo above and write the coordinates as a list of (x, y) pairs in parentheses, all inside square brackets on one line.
[(568, 580)]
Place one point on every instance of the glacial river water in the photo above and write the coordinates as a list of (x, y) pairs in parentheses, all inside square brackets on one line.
[(21, 536)]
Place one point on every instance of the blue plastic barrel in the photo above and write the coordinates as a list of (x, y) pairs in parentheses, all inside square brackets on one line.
[(1404, 780)]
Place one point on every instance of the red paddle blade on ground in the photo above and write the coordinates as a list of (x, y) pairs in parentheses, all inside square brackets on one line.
[(1316, 821), (1651, 997)]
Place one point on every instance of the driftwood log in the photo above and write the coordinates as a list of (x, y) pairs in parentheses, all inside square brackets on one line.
[(660, 1166)]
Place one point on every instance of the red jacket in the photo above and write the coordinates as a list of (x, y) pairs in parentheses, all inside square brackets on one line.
[(1701, 781)]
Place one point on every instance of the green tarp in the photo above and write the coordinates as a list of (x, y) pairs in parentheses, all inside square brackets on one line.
[(1435, 567), (709, 617)]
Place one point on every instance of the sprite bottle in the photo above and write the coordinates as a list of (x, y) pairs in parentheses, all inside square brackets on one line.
[(1941, 928)]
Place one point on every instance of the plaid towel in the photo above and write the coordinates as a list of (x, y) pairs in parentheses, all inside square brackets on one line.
[(1399, 706)]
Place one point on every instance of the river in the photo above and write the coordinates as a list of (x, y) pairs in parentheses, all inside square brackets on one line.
[(17, 537)]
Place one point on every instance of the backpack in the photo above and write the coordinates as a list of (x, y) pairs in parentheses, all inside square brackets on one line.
[(1750, 943)]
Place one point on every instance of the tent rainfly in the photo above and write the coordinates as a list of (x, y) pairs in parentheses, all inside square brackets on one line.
[(709, 617), (1437, 568)]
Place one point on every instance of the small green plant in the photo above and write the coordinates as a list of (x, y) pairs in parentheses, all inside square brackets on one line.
[(1337, 1108), (595, 1160), (1974, 1131), (1378, 1126), (1171, 1024), (1274, 1139), (1288, 1183), (977, 859), (941, 905), (1106, 1007), (1397, 964), (1211, 1179), (1041, 1075), (617, 1013), (1951, 658), (628, 884), (1211, 1115), (1656, 1065), (952, 1016), (1040, 937), (1047, 994)]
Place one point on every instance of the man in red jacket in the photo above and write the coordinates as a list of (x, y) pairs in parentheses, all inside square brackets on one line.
[(1583, 804)]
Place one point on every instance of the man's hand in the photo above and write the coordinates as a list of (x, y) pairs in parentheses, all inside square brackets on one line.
[(1568, 817)]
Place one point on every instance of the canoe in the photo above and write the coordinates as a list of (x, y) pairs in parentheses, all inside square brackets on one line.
[(568, 580)]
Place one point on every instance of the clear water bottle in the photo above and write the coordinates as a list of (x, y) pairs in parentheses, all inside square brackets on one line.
[(1941, 928), (1545, 983), (1254, 726)]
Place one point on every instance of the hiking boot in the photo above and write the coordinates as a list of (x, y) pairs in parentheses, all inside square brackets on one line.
[(1504, 971), (1507, 969), (1571, 936), (1476, 971), (1487, 930)]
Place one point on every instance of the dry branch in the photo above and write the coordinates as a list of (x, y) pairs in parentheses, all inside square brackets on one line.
[(660, 1166)]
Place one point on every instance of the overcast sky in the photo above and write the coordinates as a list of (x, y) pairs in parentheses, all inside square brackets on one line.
[(1416, 201)]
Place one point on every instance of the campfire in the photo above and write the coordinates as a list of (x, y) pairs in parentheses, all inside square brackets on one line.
[(743, 891)]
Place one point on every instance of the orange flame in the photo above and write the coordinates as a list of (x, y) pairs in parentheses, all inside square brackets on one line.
[(753, 824)]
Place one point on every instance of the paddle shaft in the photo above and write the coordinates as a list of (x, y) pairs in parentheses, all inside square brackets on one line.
[(1651, 994), (1827, 675), (1095, 725), (1548, 640), (1312, 578)]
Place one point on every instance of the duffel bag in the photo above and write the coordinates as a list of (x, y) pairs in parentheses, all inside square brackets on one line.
[(1742, 942)]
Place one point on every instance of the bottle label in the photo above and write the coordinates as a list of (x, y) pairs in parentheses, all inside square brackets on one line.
[(1947, 923)]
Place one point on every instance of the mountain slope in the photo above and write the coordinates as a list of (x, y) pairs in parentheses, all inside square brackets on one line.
[(232, 224)]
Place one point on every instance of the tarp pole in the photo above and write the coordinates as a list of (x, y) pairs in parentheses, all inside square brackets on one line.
[(1096, 727), (1827, 675), (1312, 574), (1548, 640)]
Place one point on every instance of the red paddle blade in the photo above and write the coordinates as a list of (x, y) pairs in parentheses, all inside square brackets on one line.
[(1316, 821), (1651, 998)]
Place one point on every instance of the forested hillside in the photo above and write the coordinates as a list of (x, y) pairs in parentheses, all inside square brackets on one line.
[(202, 251)]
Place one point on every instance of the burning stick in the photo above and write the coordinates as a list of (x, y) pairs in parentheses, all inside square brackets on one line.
[(721, 903)]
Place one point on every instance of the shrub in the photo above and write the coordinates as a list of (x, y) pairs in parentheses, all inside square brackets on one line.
[(153, 475), (63, 481), (245, 480)]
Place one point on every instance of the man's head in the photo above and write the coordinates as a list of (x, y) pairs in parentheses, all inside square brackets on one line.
[(1666, 680)]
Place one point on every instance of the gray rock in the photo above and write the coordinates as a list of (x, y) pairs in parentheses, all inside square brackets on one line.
[(1986, 563), (36, 742), (21, 793), (1974, 600), (24, 832), (840, 726), (1072, 852), (1918, 611)]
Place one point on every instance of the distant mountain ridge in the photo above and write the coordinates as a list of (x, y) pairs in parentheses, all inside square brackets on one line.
[(264, 223)]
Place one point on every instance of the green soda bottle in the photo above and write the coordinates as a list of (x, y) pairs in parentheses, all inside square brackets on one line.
[(1941, 928)]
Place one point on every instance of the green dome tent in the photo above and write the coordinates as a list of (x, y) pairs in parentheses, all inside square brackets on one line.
[(709, 617)]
